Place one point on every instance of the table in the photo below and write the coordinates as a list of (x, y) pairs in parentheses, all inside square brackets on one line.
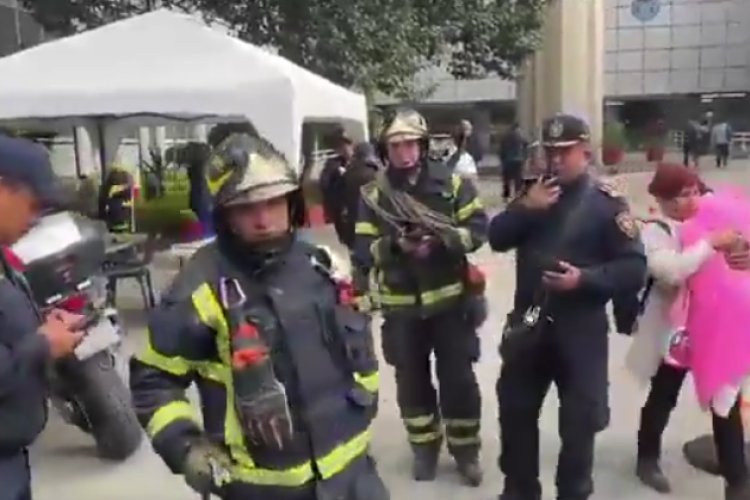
[(183, 251)]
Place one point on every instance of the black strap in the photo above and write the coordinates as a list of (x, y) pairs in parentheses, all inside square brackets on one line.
[(650, 281), (569, 222)]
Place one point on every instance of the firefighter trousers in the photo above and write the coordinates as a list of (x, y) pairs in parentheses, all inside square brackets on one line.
[(408, 344)]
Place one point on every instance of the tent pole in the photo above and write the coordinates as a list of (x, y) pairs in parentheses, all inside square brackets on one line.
[(76, 153)]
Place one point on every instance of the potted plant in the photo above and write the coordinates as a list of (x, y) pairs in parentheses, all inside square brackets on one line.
[(613, 143), (657, 139)]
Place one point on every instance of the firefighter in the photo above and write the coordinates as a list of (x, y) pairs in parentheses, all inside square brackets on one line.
[(116, 200), (416, 224), (284, 365)]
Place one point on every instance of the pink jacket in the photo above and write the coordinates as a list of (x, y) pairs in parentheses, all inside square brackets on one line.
[(715, 305)]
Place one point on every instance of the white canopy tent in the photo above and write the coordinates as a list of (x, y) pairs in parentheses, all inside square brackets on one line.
[(163, 67)]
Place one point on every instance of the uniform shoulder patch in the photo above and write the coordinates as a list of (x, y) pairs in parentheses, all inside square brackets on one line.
[(627, 224), (612, 187)]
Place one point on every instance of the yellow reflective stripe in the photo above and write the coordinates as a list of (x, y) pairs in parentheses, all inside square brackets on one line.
[(429, 297), (117, 189), (211, 314), (465, 236), (464, 441), (461, 422), (366, 229), (446, 292), (456, 182), (425, 437), (468, 210), (244, 470), (168, 414), (388, 299), (291, 477), (338, 459), (421, 421), (370, 382), (174, 365)]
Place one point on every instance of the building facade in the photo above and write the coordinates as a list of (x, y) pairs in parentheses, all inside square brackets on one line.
[(670, 59)]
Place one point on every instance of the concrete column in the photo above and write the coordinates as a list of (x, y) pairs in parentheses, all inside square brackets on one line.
[(199, 133), (158, 138), (566, 75)]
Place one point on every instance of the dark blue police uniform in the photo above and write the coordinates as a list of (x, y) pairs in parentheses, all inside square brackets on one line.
[(602, 240), (23, 352)]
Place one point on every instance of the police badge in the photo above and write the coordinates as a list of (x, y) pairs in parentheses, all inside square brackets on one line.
[(556, 129)]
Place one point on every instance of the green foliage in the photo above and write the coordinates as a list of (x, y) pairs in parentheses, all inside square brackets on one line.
[(372, 45), (167, 214)]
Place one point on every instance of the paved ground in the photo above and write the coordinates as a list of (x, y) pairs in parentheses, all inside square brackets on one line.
[(65, 468)]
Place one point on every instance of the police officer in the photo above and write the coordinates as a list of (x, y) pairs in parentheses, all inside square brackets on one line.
[(417, 222), (577, 245), (284, 366), (27, 341)]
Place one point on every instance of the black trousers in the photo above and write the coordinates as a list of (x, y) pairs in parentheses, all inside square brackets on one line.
[(722, 155), (573, 355), (512, 173), (15, 477), (407, 345), (728, 432)]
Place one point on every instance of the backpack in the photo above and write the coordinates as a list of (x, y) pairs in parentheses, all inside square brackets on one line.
[(629, 306)]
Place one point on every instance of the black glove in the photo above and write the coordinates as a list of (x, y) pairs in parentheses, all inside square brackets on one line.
[(265, 416)]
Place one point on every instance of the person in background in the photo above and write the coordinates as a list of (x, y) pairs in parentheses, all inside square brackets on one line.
[(28, 342), (461, 162), (677, 190), (116, 200), (513, 156), (332, 185), (721, 141), (693, 143), (363, 169)]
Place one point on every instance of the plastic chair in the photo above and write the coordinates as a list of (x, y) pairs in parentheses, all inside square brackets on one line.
[(135, 267)]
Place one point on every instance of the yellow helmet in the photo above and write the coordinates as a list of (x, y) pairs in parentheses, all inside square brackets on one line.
[(407, 125), (246, 169)]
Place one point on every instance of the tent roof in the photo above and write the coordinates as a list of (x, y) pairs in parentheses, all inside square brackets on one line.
[(172, 66)]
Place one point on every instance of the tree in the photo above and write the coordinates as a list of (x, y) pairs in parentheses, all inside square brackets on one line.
[(373, 45)]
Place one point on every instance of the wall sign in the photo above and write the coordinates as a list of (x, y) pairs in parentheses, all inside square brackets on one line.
[(645, 10)]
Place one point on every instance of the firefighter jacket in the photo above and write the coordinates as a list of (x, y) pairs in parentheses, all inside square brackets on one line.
[(407, 283), (321, 352)]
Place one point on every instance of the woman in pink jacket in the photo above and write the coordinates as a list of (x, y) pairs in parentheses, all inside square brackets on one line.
[(677, 191)]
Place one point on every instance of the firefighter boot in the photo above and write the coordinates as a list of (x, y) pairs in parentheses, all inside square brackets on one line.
[(424, 467), (467, 463)]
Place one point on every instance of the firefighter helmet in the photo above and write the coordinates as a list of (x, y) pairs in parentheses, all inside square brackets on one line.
[(246, 169), (406, 125)]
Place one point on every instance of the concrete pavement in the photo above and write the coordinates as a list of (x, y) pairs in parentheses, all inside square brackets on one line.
[(65, 468)]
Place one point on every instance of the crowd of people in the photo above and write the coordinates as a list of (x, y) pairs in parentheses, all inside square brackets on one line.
[(278, 339)]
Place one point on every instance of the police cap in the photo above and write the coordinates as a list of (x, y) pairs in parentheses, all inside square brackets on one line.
[(26, 163), (564, 130)]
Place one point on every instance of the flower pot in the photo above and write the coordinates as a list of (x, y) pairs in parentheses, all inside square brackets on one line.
[(655, 153), (612, 155)]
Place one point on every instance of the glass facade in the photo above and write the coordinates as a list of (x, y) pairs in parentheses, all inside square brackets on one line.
[(658, 47)]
